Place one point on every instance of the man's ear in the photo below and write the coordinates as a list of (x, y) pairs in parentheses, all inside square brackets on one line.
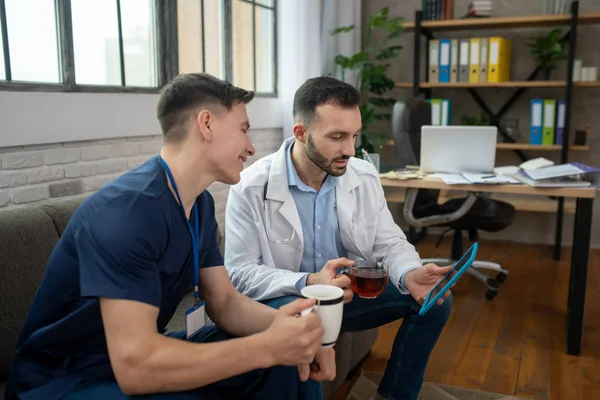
[(205, 119), (299, 132)]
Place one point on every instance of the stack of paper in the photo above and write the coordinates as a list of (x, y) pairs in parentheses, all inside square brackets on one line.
[(564, 175), (471, 178), (489, 179), (402, 175)]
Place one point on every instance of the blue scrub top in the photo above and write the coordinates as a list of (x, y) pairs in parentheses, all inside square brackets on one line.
[(129, 241)]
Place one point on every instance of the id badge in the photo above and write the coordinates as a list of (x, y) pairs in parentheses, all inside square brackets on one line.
[(194, 319)]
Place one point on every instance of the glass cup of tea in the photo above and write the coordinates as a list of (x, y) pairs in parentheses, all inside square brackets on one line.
[(367, 278)]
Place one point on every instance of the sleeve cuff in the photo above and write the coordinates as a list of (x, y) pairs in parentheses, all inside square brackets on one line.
[(301, 283), (401, 286)]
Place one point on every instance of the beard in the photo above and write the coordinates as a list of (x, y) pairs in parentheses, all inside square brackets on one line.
[(321, 161)]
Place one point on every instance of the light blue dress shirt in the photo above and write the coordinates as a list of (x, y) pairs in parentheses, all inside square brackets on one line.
[(318, 216), (319, 220)]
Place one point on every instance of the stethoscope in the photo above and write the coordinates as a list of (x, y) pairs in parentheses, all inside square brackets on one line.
[(285, 240), (277, 241)]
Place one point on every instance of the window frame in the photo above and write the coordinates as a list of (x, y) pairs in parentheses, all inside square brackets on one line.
[(229, 42), (166, 50)]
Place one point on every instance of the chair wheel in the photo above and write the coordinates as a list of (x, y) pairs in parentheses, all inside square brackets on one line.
[(492, 283), (501, 277), (491, 294)]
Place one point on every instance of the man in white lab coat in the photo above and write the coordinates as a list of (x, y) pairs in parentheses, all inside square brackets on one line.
[(300, 214)]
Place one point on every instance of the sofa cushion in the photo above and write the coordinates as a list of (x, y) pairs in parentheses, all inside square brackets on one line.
[(60, 213), (27, 238)]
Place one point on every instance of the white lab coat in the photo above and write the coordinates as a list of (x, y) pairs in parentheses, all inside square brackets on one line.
[(262, 269)]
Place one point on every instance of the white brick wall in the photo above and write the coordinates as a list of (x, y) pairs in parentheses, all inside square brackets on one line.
[(33, 175)]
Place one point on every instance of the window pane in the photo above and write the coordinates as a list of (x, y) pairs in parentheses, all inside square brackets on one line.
[(265, 54), (32, 40), (189, 27), (189, 35), (2, 73), (243, 52), (139, 43), (95, 42), (268, 3)]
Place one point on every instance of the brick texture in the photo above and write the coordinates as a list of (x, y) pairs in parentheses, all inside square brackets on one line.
[(49, 173)]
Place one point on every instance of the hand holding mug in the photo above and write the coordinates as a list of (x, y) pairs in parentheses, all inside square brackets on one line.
[(329, 276), (294, 340)]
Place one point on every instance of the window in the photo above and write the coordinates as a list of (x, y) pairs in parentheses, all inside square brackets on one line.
[(135, 45), (79, 45), (100, 29), (201, 36), (31, 60), (231, 39)]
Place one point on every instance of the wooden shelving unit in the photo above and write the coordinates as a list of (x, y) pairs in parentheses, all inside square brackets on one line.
[(537, 147), (510, 85), (527, 21), (520, 202), (426, 29), (526, 146)]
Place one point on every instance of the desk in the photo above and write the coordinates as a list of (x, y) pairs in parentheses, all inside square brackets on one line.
[(581, 238)]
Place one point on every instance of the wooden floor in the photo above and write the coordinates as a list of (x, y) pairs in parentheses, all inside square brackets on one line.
[(514, 344)]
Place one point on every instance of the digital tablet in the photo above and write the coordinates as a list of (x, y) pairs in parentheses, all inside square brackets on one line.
[(449, 279)]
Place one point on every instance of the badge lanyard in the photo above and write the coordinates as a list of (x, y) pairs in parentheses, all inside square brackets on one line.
[(194, 233)]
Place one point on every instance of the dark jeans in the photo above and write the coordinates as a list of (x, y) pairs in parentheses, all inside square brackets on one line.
[(274, 383), (414, 341)]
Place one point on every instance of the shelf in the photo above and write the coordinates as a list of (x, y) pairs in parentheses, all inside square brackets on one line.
[(527, 21), (525, 146), (537, 147), (519, 202), (511, 84)]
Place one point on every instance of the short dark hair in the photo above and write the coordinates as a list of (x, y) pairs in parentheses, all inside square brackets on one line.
[(181, 99), (322, 90)]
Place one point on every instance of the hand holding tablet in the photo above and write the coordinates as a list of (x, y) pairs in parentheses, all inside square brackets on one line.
[(449, 279)]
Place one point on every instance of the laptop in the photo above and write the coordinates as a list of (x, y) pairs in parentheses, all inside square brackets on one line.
[(456, 149)]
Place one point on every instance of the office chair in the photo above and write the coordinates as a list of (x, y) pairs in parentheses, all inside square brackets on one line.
[(421, 209)]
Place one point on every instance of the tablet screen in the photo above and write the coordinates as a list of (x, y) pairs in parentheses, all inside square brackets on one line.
[(450, 274)]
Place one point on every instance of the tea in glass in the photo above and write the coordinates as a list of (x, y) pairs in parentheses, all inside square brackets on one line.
[(368, 278)]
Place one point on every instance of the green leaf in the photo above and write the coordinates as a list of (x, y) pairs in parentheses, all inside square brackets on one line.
[(389, 52), (383, 117), (367, 112), (380, 19), (382, 102), (342, 29)]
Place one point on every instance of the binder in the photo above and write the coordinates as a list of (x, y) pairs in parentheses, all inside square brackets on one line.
[(463, 64), (454, 61), (436, 111), (433, 60), (549, 119), (561, 108), (445, 118), (499, 59), (474, 60), (483, 60), (444, 67), (537, 112)]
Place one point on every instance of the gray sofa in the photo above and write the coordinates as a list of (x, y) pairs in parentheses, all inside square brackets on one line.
[(28, 236)]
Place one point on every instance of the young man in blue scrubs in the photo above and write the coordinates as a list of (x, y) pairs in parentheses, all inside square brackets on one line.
[(303, 212), (96, 328)]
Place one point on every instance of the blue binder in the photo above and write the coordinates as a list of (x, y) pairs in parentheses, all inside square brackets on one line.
[(536, 118), (444, 61)]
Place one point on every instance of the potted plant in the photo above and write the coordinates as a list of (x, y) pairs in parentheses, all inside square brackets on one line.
[(371, 65), (548, 50), (480, 119)]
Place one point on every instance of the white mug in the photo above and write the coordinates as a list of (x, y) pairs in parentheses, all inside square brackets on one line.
[(330, 307)]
